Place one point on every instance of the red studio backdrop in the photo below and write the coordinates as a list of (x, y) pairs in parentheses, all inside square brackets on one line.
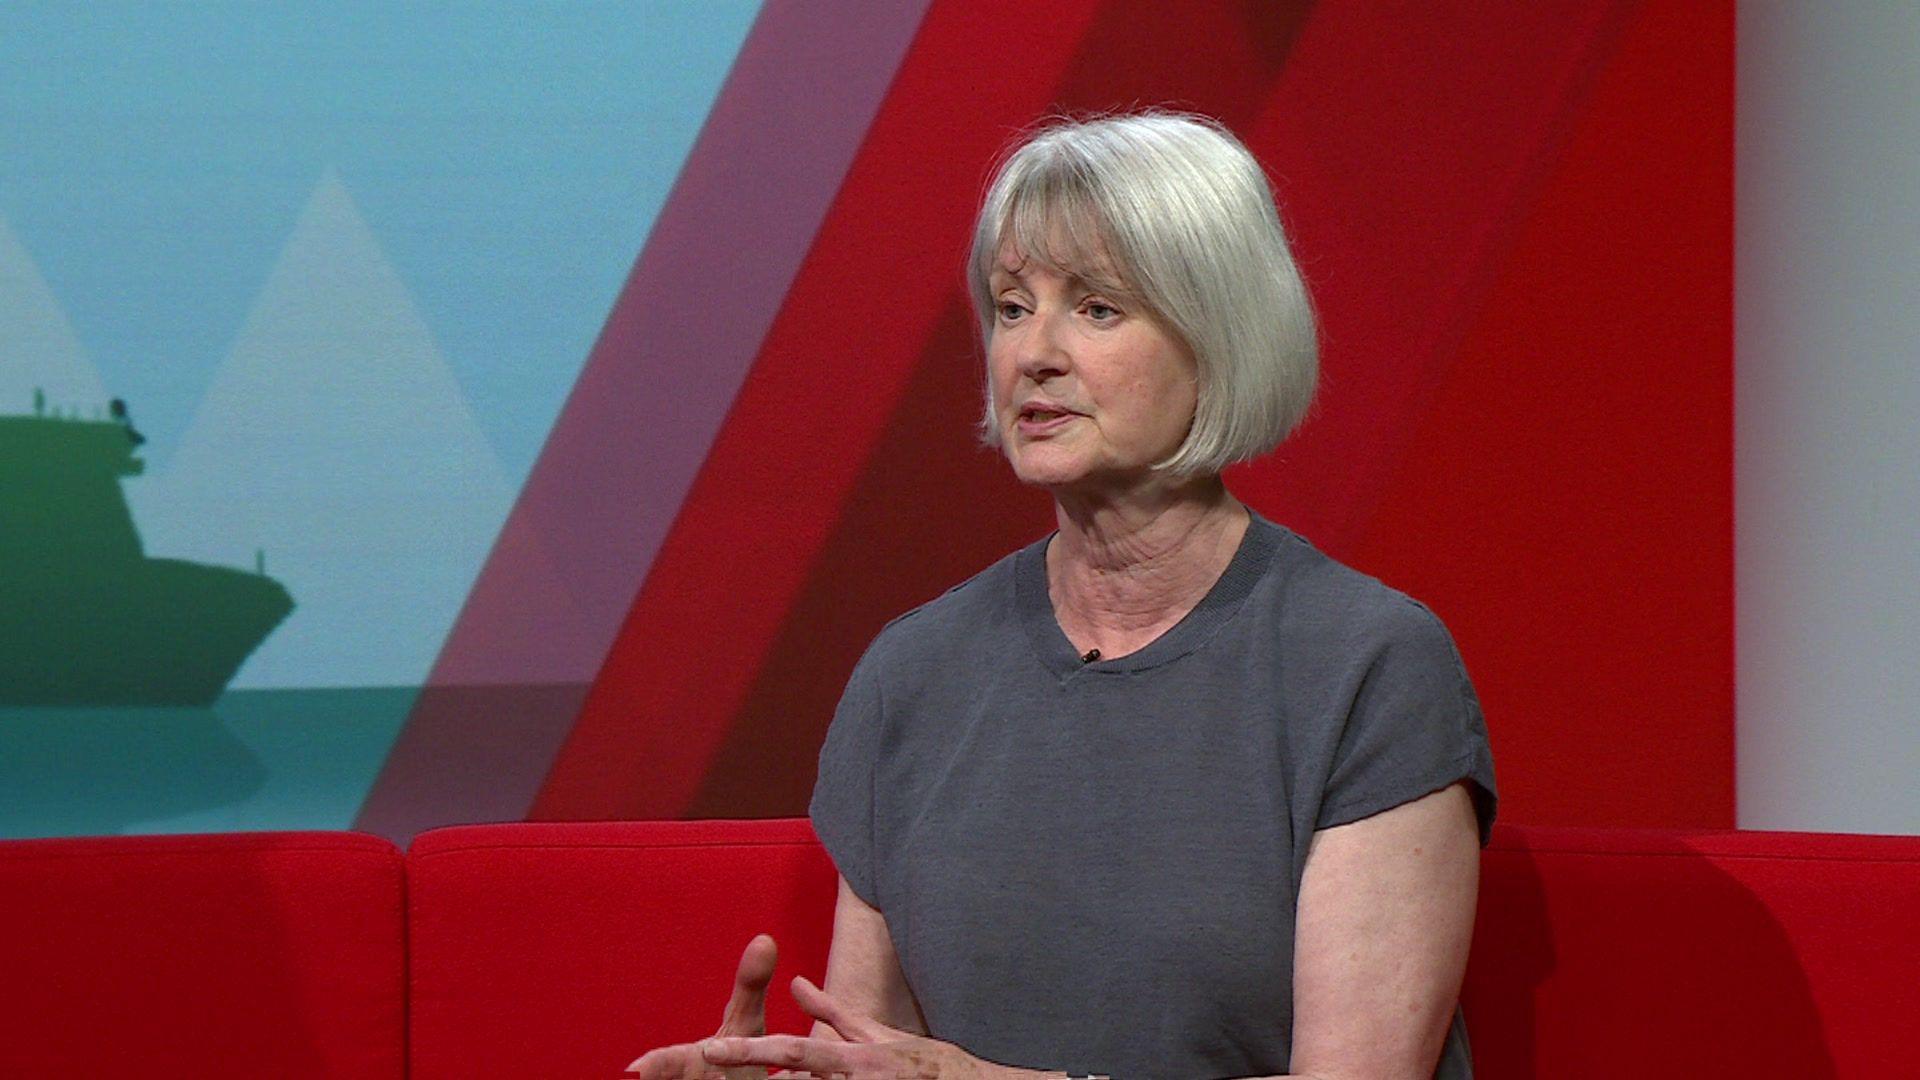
[(1516, 221)]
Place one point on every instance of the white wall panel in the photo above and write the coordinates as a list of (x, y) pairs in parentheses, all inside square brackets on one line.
[(1827, 440)]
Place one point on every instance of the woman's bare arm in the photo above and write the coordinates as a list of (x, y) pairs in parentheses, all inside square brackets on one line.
[(1384, 919), (863, 970)]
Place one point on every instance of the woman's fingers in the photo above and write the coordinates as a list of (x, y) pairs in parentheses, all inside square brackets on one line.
[(747, 1009), (794, 1052), (683, 1062), (824, 1007), (746, 1015)]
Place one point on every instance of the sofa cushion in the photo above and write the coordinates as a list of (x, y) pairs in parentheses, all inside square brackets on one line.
[(568, 949), (263, 954)]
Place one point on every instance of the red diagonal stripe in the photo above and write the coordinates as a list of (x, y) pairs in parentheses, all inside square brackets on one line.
[(1408, 137), (882, 270)]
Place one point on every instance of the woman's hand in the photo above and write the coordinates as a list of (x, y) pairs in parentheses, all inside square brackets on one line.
[(871, 1050), (746, 1015)]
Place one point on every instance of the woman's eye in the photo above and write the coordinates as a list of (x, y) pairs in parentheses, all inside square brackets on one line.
[(1099, 312), (1010, 311)]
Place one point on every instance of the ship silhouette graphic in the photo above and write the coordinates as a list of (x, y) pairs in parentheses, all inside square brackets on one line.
[(86, 616)]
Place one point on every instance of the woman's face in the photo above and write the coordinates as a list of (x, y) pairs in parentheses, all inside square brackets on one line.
[(1088, 390)]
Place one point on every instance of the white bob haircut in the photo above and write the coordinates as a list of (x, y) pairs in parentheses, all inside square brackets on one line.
[(1170, 211)]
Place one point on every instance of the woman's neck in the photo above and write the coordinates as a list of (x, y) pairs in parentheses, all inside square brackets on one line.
[(1121, 572)]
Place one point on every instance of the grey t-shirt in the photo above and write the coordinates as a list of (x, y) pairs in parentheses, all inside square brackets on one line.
[(1092, 867)]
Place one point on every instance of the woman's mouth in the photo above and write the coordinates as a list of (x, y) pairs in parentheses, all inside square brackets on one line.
[(1041, 420)]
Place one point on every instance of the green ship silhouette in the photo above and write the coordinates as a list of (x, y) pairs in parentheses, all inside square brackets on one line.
[(86, 617)]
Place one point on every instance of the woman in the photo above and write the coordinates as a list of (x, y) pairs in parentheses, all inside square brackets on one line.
[(1169, 793)]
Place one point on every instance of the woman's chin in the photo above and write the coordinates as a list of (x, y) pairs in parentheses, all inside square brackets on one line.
[(1048, 470)]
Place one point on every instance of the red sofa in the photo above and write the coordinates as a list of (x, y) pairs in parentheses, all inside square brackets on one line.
[(563, 950)]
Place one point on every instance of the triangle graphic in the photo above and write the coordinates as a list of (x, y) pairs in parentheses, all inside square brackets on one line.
[(336, 441), (38, 348)]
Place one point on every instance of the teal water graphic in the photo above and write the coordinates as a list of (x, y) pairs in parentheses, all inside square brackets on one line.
[(254, 760)]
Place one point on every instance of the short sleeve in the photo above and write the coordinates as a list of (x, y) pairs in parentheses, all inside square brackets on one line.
[(1414, 725), (842, 807)]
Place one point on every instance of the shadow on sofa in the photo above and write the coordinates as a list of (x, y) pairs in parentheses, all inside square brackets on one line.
[(1600, 952)]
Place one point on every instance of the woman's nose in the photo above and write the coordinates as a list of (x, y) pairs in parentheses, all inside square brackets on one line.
[(1042, 355)]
